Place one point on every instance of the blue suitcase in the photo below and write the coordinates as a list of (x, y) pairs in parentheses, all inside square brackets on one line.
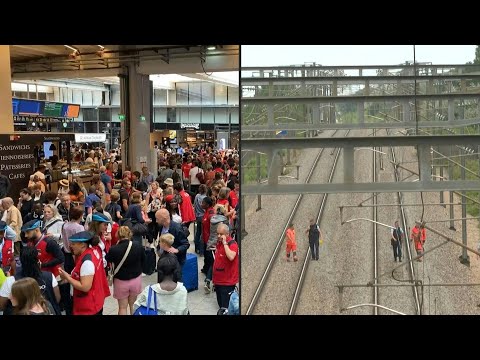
[(190, 272)]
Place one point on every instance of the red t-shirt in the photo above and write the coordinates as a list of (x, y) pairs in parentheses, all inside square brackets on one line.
[(206, 224), (186, 170), (225, 272)]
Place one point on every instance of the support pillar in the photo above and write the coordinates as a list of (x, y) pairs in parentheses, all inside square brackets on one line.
[(361, 112), (451, 110), (135, 103), (425, 163), (6, 113), (259, 179), (450, 177), (442, 201), (273, 167), (406, 111), (270, 119), (348, 164), (464, 258)]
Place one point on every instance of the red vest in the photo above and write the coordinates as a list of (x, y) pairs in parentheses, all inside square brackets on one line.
[(44, 256), (186, 207), (7, 252), (225, 272), (91, 302)]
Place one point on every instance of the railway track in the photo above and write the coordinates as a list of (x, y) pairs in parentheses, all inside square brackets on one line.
[(271, 296)]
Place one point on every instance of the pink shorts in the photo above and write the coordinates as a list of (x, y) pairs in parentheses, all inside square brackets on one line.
[(122, 289)]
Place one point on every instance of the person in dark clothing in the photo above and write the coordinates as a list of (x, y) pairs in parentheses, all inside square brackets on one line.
[(137, 184), (396, 241), (134, 212), (180, 244), (64, 207), (127, 282), (314, 239), (25, 203), (36, 214), (50, 255), (5, 186), (31, 268)]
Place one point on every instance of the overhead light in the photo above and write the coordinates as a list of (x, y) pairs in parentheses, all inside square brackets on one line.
[(71, 48), (211, 47), (101, 47)]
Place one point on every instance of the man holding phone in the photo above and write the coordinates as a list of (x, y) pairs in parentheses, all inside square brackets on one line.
[(225, 266)]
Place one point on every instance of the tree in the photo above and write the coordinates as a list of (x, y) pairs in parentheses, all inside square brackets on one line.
[(476, 61)]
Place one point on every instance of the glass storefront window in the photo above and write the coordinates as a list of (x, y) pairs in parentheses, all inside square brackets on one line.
[(160, 115), (171, 115), (233, 95), (182, 115), (91, 127), (195, 93), (195, 115), (181, 93), (104, 114), (207, 115), (89, 114), (208, 93), (220, 94), (234, 116), (160, 97), (221, 116)]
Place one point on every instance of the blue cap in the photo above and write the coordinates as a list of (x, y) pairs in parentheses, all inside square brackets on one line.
[(100, 217), (3, 225), (32, 224), (81, 236)]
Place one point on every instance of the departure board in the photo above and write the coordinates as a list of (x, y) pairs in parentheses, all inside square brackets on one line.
[(29, 107), (44, 108), (53, 109), (71, 111)]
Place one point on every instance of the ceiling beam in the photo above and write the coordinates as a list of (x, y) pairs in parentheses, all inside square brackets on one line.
[(65, 74), (190, 65), (43, 49)]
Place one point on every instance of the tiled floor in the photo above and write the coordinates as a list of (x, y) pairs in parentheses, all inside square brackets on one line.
[(199, 303)]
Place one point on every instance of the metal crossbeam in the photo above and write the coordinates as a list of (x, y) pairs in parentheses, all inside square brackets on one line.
[(353, 98), (355, 142), (312, 80), (373, 125), (360, 187)]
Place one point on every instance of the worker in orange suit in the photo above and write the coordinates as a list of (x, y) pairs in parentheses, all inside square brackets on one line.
[(419, 235), (291, 243)]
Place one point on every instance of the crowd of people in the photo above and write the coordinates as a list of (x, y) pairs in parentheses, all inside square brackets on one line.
[(62, 251)]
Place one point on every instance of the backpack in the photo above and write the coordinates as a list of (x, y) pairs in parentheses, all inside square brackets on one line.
[(201, 176), (110, 208)]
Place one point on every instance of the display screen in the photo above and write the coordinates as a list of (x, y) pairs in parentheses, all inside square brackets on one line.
[(44, 108), (71, 110), (53, 109), (29, 107)]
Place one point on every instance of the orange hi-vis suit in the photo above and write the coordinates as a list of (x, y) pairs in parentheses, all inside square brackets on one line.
[(419, 236), (291, 242)]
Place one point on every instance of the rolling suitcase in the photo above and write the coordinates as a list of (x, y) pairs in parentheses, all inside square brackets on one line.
[(150, 261), (190, 272)]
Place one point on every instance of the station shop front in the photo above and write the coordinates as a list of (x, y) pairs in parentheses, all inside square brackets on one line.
[(194, 134)]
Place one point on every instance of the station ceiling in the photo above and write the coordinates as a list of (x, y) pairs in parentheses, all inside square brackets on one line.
[(29, 62)]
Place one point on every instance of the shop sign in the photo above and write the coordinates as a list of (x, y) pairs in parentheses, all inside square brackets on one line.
[(190, 126), (90, 137)]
